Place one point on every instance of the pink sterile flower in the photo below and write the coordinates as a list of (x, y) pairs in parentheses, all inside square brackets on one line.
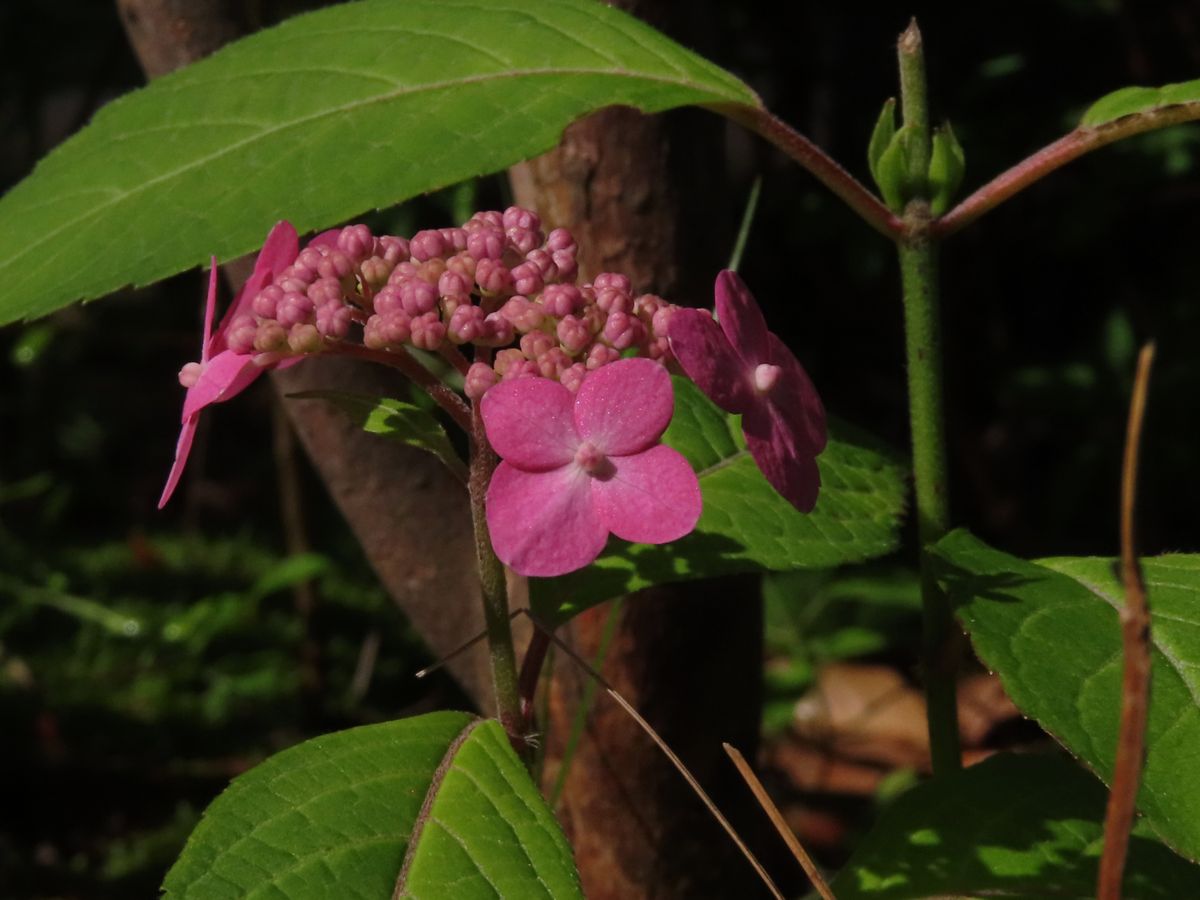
[(746, 369), (578, 466), (222, 373)]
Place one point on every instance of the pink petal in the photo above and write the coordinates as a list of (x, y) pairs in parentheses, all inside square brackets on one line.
[(652, 498), (543, 523), (224, 376), (529, 423), (788, 464), (741, 319), (182, 448), (709, 360), (624, 407), (796, 399), (210, 310), (279, 251)]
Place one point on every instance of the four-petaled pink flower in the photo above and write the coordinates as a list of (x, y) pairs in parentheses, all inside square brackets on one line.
[(222, 374), (746, 369), (578, 466)]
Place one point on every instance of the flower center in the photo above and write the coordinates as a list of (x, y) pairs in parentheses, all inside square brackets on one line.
[(766, 377), (592, 461)]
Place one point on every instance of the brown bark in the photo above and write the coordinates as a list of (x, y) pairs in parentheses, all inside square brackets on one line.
[(409, 514), (685, 656)]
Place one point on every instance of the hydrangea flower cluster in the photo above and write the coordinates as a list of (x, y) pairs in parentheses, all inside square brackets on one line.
[(496, 282), (577, 423)]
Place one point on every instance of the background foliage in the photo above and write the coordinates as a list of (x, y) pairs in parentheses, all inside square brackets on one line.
[(145, 658)]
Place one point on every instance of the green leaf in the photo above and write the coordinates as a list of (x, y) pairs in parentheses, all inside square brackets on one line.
[(746, 526), (396, 419), (342, 110), (1011, 826), (1134, 101), (947, 164), (881, 137), (1050, 629), (433, 806)]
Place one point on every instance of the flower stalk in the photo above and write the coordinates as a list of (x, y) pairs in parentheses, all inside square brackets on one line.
[(923, 348)]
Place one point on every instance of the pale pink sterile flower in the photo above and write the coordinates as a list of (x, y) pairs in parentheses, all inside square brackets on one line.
[(746, 369), (222, 373), (577, 466)]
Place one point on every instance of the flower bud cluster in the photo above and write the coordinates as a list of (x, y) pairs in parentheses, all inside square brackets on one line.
[(498, 282)]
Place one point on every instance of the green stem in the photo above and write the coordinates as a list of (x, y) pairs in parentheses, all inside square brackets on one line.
[(923, 345), (495, 590)]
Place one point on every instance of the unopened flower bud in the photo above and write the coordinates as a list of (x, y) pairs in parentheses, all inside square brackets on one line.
[(560, 239), (535, 343), (428, 331), (527, 278), (624, 331), (506, 359), (553, 363), (498, 331), (613, 300), (309, 258), (455, 239), (479, 378), (336, 264), (573, 333), (394, 250), (304, 339), (375, 271), (466, 324), (486, 243), (524, 314), (572, 377), (333, 320), (524, 368), (453, 284), (560, 300), (356, 242), (565, 263), (241, 334), (462, 264), (426, 245), (391, 329), (493, 277), (418, 297), (519, 217), (271, 336), (601, 355), (489, 218), (266, 301), (190, 374), (523, 240), (325, 290), (614, 280), (662, 319), (293, 308), (544, 262)]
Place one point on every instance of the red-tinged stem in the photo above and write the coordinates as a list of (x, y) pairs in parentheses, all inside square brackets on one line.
[(422, 377), (1135, 638), (852, 192), (531, 671), (454, 356), (1054, 156)]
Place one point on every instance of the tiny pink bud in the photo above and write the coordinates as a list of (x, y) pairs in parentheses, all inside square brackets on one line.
[(455, 239), (486, 243), (418, 297), (535, 343), (522, 313), (573, 333), (325, 290), (309, 258), (394, 250), (527, 278), (428, 331), (391, 329), (553, 363), (498, 331), (403, 271), (375, 271), (190, 374), (525, 368), (523, 239), (572, 378), (293, 309), (356, 242), (241, 334), (466, 324), (766, 376), (568, 267), (601, 355), (388, 299), (613, 300), (453, 284), (614, 280), (662, 319), (561, 300), (519, 217), (490, 218), (506, 359), (560, 239), (266, 301), (624, 331), (479, 378), (462, 264), (333, 320), (660, 349), (493, 277), (544, 262), (336, 264), (426, 245), (646, 305)]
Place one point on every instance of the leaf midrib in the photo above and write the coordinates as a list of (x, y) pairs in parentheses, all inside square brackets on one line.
[(400, 93)]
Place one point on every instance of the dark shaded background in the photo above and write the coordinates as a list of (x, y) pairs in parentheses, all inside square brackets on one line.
[(143, 658)]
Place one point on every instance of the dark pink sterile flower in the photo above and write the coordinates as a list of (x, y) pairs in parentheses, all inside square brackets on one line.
[(578, 466), (747, 370), (221, 373)]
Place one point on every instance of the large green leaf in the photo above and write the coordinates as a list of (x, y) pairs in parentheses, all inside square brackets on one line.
[(1050, 629), (1142, 101), (1012, 826), (434, 806), (342, 110), (746, 526)]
